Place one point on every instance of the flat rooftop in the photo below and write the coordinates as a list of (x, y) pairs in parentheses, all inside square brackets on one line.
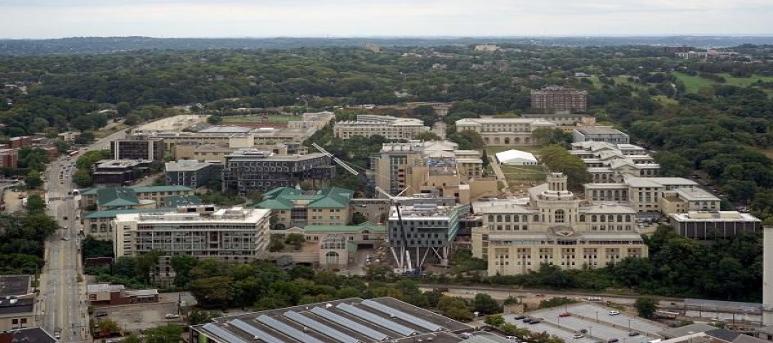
[(599, 130), (14, 285), (718, 216), (345, 320)]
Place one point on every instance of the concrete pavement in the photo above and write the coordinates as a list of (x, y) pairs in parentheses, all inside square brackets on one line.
[(62, 305)]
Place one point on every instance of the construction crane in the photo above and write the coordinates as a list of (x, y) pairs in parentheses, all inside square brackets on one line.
[(402, 258), (336, 159)]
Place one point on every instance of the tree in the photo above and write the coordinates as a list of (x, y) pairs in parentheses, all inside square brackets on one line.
[(358, 218), (275, 244), (212, 292), (215, 119), (132, 338), (33, 179), (82, 178), (545, 136), (35, 204), (484, 304), (467, 140), (164, 334), (558, 159), (495, 320), (296, 240), (196, 317), (455, 308), (646, 307), (123, 108), (672, 164), (107, 327)]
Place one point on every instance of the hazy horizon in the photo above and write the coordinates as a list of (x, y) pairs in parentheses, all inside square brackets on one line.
[(43, 19)]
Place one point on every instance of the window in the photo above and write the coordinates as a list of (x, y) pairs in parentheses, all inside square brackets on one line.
[(559, 216)]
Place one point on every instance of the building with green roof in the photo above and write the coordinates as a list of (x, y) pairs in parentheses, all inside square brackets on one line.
[(107, 198), (294, 207)]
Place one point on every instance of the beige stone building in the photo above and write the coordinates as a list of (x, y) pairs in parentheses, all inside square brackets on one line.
[(644, 194), (504, 131), (683, 200), (291, 207), (553, 227), (608, 162), (230, 234), (432, 167), (216, 152), (392, 128)]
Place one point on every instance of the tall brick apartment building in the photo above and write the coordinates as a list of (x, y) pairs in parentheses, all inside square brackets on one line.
[(553, 99)]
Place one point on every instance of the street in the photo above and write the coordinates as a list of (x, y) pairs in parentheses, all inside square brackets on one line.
[(62, 303)]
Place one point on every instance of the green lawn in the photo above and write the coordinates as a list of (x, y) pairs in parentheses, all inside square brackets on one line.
[(665, 100), (521, 174), (251, 118), (695, 83)]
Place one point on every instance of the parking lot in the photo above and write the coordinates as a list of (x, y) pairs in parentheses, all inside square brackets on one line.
[(137, 317), (595, 320)]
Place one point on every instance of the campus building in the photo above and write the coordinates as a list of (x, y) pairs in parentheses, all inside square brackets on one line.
[(344, 320), (424, 229), (553, 227), (112, 198), (644, 194), (435, 167), (293, 207), (191, 173), (230, 234), (138, 148), (330, 245), (600, 134), (559, 99), (119, 172), (389, 127), (714, 224), (249, 170), (504, 131), (608, 162), (17, 302)]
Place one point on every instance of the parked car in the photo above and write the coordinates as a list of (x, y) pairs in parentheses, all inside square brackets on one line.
[(527, 320), (614, 313), (519, 317), (578, 335), (172, 316), (564, 314), (535, 321), (633, 334), (100, 314), (613, 340)]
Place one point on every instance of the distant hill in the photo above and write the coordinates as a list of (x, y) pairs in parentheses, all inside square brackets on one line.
[(99, 45)]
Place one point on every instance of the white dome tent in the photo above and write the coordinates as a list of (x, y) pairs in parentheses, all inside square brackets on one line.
[(516, 158)]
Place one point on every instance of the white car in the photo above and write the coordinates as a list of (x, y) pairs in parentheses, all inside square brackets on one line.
[(172, 316), (614, 313)]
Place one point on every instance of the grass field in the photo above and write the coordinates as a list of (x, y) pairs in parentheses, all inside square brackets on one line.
[(516, 175), (254, 118), (665, 100), (695, 83)]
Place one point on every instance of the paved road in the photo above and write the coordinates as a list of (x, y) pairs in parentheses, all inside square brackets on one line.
[(62, 304)]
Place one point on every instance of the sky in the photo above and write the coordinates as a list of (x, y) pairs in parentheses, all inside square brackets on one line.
[(368, 18)]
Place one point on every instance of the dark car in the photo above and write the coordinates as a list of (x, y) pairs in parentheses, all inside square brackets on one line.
[(613, 340), (535, 321), (527, 320), (519, 317), (633, 334)]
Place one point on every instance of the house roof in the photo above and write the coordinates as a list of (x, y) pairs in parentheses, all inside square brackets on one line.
[(285, 198), (345, 228), (36, 335), (117, 197)]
